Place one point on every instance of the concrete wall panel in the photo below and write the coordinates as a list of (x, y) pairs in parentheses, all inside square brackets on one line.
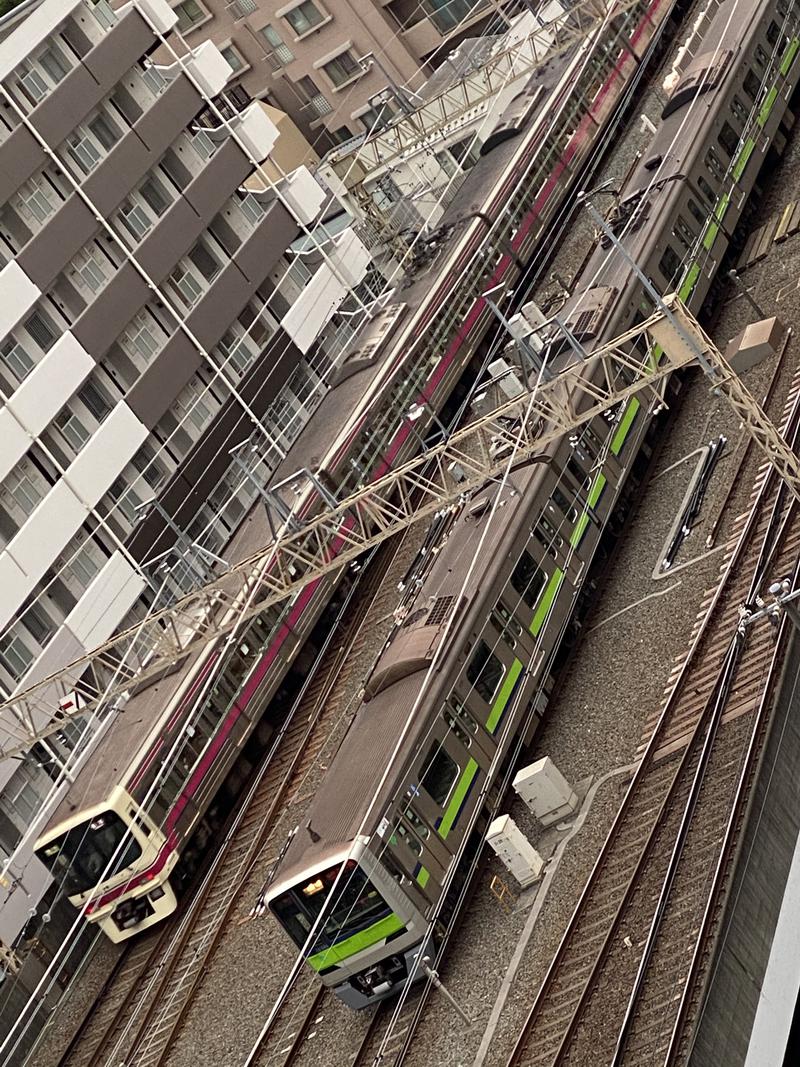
[(226, 297), (260, 253), (47, 253), (209, 459), (20, 157), (106, 602), (51, 383), (18, 294), (15, 443), (49, 527), (227, 168), (94, 469), (169, 372), (100, 324), (177, 230)]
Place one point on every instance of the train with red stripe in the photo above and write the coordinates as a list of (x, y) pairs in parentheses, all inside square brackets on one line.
[(144, 806)]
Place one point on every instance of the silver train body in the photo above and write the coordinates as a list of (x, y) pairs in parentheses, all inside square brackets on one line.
[(421, 761)]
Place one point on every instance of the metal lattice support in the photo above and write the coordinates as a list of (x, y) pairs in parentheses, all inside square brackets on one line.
[(476, 90), (521, 428)]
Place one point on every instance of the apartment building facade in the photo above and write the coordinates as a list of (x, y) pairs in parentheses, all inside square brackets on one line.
[(327, 63), (152, 315)]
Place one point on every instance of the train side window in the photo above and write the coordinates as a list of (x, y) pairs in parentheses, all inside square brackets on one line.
[(773, 32), (752, 85), (528, 579), (728, 139), (669, 265), (696, 212), (566, 506), (485, 672), (578, 473), (740, 112), (706, 189), (761, 57), (439, 773)]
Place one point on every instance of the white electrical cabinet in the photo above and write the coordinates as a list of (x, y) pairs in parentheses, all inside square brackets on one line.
[(516, 852), (545, 791)]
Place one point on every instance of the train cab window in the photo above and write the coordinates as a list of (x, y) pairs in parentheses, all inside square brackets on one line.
[(740, 112), (439, 773), (485, 672), (728, 139), (752, 85), (669, 265), (528, 579), (697, 212)]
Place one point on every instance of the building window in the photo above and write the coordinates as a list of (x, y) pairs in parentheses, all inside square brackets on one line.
[(155, 195), (344, 133), (23, 488), (236, 353), (305, 17), (376, 117), (16, 359), (15, 656), (314, 98), (71, 429), (233, 58), (189, 14), (343, 69), (42, 330), (90, 270), (36, 198), (134, 218), (280, 52)]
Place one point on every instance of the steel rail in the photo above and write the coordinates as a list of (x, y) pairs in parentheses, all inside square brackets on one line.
[(752, 520)]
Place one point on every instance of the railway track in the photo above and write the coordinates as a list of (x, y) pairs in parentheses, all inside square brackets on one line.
[(142, 1005), (622, 986)]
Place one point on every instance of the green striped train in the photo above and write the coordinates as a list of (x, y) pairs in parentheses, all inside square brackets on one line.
[(363, 877)]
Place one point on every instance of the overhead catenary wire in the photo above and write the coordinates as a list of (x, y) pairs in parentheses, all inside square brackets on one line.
[(310, 941)]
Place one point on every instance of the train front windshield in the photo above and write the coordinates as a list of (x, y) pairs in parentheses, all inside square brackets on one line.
[(357, 904), (90, 852)]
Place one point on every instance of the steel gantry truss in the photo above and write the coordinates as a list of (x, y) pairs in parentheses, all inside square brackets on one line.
[(514, 433), (470, 96)]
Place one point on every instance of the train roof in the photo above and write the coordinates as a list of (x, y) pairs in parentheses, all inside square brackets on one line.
[(346, 793)]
